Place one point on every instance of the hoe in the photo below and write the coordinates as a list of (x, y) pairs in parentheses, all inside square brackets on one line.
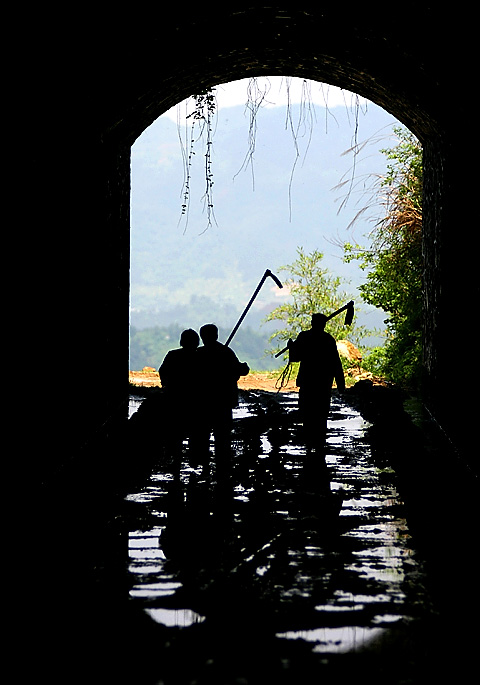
[(263, 279), (348, 319)]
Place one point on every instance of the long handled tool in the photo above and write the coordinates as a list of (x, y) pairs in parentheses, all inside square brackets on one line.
[(348, 319), (264, 278)]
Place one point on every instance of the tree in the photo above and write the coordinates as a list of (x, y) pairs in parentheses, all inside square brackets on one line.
[(313, 290), (394, 260)]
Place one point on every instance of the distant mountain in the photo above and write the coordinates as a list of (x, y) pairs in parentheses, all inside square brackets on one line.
[(183, 273)]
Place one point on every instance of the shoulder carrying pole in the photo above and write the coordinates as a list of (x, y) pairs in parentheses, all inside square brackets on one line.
[(348, 319), (264, 277)]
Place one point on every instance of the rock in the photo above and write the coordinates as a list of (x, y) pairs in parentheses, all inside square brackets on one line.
[(376, 403), (349, 351)]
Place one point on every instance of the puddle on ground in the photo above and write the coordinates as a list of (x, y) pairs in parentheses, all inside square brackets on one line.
[(320, 556)]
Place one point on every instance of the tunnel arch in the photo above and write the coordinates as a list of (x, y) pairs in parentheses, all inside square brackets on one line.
[(125, 70), (420, 124), (252, 58), (379, 65)]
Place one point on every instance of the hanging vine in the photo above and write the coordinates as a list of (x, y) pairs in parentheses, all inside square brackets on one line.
[(256, 96), (201, 128), (305, 121), (202, 119)]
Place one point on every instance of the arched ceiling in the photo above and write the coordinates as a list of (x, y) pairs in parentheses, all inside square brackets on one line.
[(369, 51)]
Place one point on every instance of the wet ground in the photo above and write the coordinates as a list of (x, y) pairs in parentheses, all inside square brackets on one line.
[(278, 568), (283, 566)]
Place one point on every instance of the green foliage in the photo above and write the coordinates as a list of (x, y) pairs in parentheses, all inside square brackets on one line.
[(374, 361), (394, 261), (149, 346), (313, 290)]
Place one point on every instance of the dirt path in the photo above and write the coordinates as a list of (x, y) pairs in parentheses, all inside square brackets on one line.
[(148, 377), (264, 381)]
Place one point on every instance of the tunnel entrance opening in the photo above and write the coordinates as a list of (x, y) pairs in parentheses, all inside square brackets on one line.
[(412, 108), (422, 125), (274, 163)]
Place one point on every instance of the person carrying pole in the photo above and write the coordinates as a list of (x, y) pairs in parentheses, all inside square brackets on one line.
[(220, 396), (320, 365)]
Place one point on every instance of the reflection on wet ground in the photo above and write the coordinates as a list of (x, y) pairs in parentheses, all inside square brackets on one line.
[(279, 563)]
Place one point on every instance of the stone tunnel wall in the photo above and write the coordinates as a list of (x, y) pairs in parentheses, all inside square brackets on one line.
[(450, 295)]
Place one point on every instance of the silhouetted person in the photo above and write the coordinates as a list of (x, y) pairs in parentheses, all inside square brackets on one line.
[(220, 370), (178, 375), (320, 365)]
